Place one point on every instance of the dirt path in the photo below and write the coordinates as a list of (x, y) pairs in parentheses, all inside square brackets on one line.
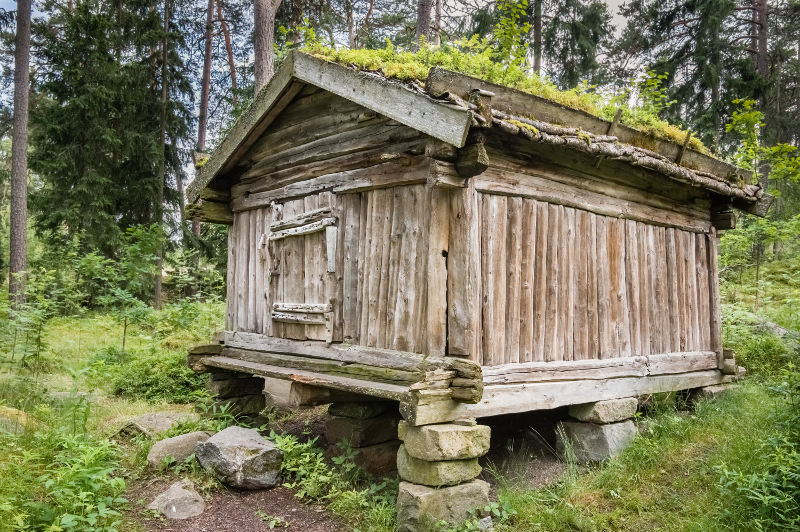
[(236, 510)]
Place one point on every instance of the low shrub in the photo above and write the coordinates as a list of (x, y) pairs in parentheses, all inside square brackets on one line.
[(157, 376)]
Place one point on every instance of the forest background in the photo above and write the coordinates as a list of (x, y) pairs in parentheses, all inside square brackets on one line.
[(120, 97)]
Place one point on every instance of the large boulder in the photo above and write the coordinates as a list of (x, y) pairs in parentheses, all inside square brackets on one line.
[(179, 448), (241, 458), (180, 501), (419, 508)]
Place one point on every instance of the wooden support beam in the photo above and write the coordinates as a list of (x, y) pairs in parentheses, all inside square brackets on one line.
[(210, 211), (472, 159)]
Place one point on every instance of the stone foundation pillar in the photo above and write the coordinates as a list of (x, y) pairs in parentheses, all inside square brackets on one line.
[(242, 391), (438, 466), (602, 431), (371, 429)]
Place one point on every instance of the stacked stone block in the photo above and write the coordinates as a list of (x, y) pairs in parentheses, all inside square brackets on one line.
[(438, 466), (368, 427), (602, 430), (244, 393)]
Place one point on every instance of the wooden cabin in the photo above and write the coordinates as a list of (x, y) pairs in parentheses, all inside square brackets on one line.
[(463, 248)]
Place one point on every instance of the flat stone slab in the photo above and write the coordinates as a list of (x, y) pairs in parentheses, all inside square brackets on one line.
[(241, 458), (593, 442), (447, 441), (359, 410), (179, 448), (236, 387), (362, 432), (180, 501), (609, 411), (153, 424), (436, 474), (419, 507)]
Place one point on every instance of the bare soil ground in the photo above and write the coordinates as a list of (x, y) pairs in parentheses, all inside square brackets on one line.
[(230, 510)]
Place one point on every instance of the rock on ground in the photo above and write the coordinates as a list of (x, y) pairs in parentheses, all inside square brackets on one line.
[(241, 458), (153, 424), (180, 501), (180, 447), (419, 508), (592, 442), (608, 411)]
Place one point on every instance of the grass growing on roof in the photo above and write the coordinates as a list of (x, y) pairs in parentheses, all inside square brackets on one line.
[(477, 57)]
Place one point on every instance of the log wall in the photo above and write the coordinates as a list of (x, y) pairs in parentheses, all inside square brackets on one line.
[(561, 284), (340, 234)]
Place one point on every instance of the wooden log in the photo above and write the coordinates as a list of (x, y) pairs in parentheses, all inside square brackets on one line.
[(311, 215), (347, 384), (293, 272), (493, 269), (351, 210), (301, 318), (523, 397), (581, 298), (443, 174), (632, 284), (210, 211), (305, 308), (541, 280), (592, 309), (436, 275), (645, 293), (608, 347), (529, 185), (241, 228), (472, 160), (715, 317), (252, 262), (527, 268), (230, 282), (513, 280), (618, 289), (306, 229), (464, 275), (674, 339)]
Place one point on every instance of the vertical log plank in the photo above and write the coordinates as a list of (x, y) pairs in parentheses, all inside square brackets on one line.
[(527, 269), (464, 275), (715, 316), (541, 279), (592, 307), (618, 290), (632, 284), (351, 212), (513, 279), (674, 339), (581, 300), (608, 348), (230, 283), (494, 273), (553, 332), (568, 282), (438, 250)]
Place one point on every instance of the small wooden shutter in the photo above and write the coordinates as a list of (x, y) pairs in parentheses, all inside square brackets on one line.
[(301, 306)]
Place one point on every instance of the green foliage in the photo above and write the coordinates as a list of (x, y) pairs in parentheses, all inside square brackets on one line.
[(272, 521), (56, 476), (766, 493), (156, 376), (510, 31), (305, 471)]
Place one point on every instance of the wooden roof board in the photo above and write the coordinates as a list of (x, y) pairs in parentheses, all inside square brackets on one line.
[(391, 99)]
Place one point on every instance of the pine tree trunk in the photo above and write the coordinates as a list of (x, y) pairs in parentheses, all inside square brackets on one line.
[(437, 23), (162, 171), (423, 20), (205, 84), (351, 25), (537, 36), (19, 157), (229, 51), (762, 63), (264, 40)]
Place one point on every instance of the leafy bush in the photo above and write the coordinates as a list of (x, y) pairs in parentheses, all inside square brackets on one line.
[(157, 376), (768, 492), (55, 476), (305, 470)]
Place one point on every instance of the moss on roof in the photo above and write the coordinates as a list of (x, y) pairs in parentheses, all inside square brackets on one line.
[(475, 57)]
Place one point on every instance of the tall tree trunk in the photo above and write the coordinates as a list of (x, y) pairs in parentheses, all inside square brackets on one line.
[(423, 20), (762, 63), (537, 36), (162, 170), (351, 24), (205, 83), (437, 23), (229, 51), (19, 157), (264, 40)]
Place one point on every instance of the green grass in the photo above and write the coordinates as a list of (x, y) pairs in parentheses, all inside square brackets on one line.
[(669, 479)]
